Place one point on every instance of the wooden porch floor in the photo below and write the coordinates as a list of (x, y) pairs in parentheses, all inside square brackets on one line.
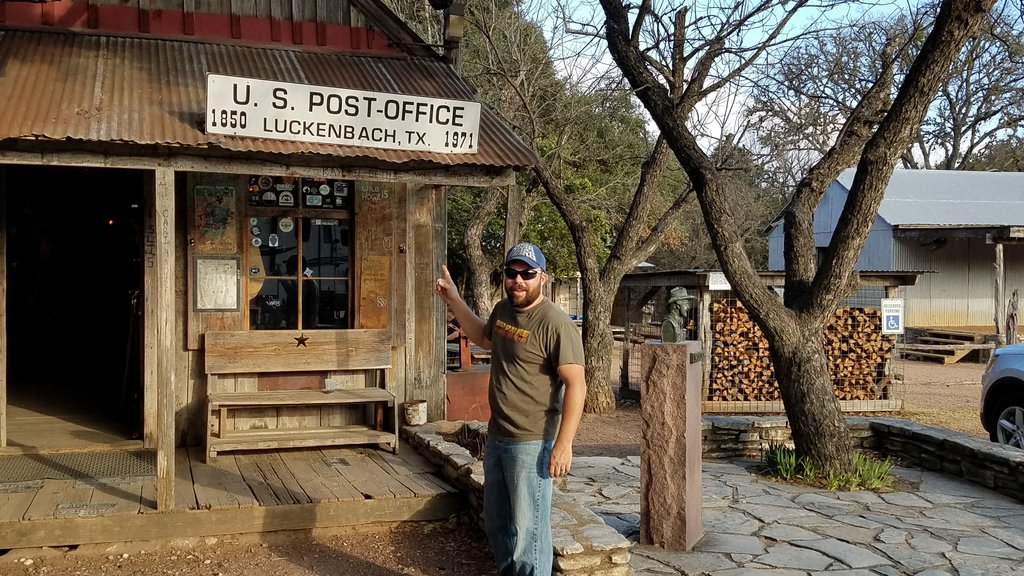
[(234, 494)]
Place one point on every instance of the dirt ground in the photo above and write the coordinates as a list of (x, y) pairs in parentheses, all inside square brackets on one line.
[(453, 548), (941, 395), (947, 396)]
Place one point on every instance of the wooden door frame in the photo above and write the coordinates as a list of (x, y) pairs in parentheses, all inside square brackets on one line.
[(3, 306)]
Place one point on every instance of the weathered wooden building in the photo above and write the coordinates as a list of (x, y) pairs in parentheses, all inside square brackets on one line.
[(222, 222)]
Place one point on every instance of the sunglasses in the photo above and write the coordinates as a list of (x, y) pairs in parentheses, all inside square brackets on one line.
[(526, 275)]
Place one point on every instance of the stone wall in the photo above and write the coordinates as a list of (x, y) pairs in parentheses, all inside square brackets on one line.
[(911, 444), (584, 544)]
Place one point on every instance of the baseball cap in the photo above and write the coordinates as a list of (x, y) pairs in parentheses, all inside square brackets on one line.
[(528, 253)]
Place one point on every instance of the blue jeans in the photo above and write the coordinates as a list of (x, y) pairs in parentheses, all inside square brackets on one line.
[(517, 506)]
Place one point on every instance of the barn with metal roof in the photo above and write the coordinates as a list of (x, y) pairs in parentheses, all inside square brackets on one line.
[(961, 226)]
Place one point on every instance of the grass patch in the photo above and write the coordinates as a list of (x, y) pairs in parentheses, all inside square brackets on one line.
[(957, 419), (867, 472)]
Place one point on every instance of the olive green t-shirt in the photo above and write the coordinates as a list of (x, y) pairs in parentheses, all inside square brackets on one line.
[(525, 394)]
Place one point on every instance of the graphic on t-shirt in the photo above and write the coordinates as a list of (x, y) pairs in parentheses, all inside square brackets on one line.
[(509, 332)]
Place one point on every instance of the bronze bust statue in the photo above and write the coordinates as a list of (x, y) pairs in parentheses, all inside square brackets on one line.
[(673, 327)]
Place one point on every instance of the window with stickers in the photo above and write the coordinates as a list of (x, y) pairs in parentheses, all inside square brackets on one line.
[(299, 253)]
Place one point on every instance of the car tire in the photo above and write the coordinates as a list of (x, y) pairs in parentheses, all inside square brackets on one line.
[(1010, 410)]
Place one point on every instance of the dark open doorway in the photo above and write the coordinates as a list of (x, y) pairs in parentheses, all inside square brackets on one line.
[(74, 300)]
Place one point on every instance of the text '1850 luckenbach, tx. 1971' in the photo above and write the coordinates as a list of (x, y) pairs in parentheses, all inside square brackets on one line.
[(306, 113)]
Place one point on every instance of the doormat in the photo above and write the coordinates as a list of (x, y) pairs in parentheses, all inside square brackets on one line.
[(76, 465)]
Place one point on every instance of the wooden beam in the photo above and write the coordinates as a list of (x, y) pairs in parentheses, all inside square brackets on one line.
[(166, 341), (189, 14), (427, 234), (454, 176), (198, 523), (403, 309), (247, 351), (3, 307), (1000, 296), (150, 384), (624, 362), (144, 16), (705, 334), (513, 216)]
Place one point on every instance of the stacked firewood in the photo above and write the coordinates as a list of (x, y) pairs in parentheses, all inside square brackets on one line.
[(741, 365)]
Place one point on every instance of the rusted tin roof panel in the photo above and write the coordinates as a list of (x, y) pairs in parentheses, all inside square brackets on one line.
[(73, 86)]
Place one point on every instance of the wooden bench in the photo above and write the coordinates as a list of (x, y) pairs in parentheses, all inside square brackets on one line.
[(235, 360)]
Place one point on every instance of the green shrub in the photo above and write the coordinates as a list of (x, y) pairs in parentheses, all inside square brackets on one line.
[(872, 473), (781, 460), (868, 473)]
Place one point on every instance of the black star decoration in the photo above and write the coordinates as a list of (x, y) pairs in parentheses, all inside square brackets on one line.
[(300, 340)]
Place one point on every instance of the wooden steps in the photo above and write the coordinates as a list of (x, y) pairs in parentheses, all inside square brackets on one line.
[(945, 346), (249, 492), (266, 438), (220, 404), (955, 335), (300, 397)]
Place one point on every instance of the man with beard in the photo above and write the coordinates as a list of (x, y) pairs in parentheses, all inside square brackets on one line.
[(536, 396)]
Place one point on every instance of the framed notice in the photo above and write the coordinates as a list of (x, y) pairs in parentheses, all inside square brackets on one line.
[(214, 218), (718, 281), (217, 279), (375, 282)]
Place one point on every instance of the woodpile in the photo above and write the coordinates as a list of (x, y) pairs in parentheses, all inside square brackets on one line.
[(741, 365)]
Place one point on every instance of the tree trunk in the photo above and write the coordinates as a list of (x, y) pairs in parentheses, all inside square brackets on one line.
[(598, 343), (819, 430), (478, 266)]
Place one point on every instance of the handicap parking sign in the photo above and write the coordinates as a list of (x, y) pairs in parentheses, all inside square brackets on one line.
[(892, 316)]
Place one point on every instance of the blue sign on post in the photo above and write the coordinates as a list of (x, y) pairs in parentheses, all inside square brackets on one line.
[(892, 316)]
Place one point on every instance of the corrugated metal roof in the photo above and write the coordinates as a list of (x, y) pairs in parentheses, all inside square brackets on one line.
[(75, 86), (950, 198)]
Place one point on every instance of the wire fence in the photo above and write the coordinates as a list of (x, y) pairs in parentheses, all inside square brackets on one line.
[(739, 375)]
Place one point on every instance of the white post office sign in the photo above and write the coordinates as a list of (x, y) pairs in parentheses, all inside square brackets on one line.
[(306, 113)]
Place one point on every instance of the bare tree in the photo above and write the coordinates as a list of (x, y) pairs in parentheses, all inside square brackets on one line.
[(805, 93), (674, 58), (478, 264), (598, 165)]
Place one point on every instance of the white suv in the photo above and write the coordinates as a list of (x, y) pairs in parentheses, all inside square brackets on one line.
[(1002, 396)]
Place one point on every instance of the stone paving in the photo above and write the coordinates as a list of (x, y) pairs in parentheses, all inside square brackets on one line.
[(756, 526)]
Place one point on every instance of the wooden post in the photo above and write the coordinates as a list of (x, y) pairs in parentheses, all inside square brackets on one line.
[(513, 214), (1000, 297), (439, 246), (465, 353), (624, 368), (706, 336), (3, 308), (165, 319), (892, 292), (150, 339)]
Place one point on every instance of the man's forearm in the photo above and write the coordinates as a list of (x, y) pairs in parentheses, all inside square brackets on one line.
[(471, 324), (572, 403)]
